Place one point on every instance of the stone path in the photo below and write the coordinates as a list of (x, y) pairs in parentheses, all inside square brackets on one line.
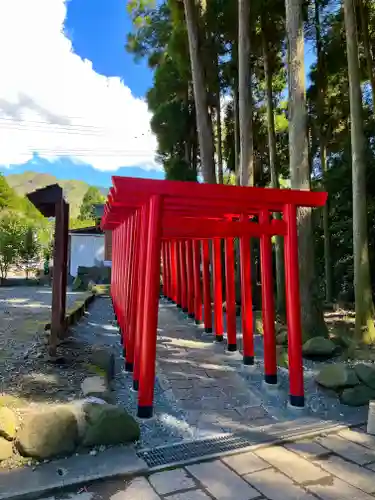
[(202, 391), (301, 470)]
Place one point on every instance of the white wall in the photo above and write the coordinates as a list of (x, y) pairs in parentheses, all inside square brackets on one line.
[(86, 250)]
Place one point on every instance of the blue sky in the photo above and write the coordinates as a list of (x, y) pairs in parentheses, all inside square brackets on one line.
[(57, 100)]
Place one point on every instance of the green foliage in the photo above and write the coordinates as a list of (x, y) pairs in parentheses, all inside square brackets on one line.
[(11, 240), (8, 198), (30, 250), (78, 223), (92, 197)]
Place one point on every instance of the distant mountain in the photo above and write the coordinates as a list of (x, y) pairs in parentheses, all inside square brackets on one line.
[(74, 191)]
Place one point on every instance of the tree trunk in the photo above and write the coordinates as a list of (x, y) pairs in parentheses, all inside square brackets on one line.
[(236, 134), (244, 91), (312, 315), (363, 9), (219, 139), (279, 243), (364, 307), (204, 125), (323, 153)]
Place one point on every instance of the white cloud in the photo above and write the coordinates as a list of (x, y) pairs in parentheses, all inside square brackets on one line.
[(53, 103)]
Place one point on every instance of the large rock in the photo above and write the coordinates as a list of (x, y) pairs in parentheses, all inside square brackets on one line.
[(108, 425), (103, 358), (337, 376), (366, 374), (319, 347), (96, 387), (357, 396), (6, 449), (48, 433), (8, 423)]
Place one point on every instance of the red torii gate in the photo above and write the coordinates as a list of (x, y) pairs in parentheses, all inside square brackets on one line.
[(174, 221)]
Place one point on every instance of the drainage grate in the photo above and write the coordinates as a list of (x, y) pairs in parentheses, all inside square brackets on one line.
[(181, 452), (301, 428)]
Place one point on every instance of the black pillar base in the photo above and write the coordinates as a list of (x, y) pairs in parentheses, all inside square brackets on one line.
[(179, 306), (232, 347), (208, 330), (135, 385), (219, 338), (144, 411), (198, 322), (248, 360), (270, 379), (124, 352), (128, 367), (297, 401), (191, 315), (184, 309)]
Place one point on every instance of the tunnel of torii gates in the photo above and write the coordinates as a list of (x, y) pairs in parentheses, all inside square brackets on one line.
[(169, 225)]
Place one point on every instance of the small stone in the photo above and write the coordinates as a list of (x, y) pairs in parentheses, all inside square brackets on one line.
[(319, 347), (109, 425), (96, 386), (366, 374), (337, 376), (8, 423), (93, 453), (103, 359), (6, 449), (48, 433), (357, 396)]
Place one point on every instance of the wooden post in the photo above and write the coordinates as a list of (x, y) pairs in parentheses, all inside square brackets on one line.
[(58, 259)]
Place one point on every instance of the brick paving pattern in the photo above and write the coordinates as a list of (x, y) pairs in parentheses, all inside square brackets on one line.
[(272, 473), (199, 375)]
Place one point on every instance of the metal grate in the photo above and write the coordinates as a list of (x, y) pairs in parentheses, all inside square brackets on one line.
[(190, 451), (187, 451)]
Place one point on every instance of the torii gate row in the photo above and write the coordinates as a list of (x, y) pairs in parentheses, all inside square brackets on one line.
[(173, 222)]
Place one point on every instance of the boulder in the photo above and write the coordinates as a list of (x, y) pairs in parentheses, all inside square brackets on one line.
[(104, 359), (282, 338), (357, 396), (319, 347), (366, 374), (6, 449), (108, 425), (48, 433), (336, 377), (96, 387), (8, 423)]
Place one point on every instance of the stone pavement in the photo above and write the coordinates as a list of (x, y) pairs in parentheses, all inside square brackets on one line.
[(334, 467)]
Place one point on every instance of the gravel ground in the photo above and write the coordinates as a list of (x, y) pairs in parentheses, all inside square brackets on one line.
[(24, 372)]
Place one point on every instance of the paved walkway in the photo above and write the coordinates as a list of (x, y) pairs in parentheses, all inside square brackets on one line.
[(335, 467)]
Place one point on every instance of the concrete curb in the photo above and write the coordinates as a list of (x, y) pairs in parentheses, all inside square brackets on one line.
[(30, 484), (75, 314)]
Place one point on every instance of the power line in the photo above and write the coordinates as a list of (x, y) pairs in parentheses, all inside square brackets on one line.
[(83, 153), (60, 129)]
